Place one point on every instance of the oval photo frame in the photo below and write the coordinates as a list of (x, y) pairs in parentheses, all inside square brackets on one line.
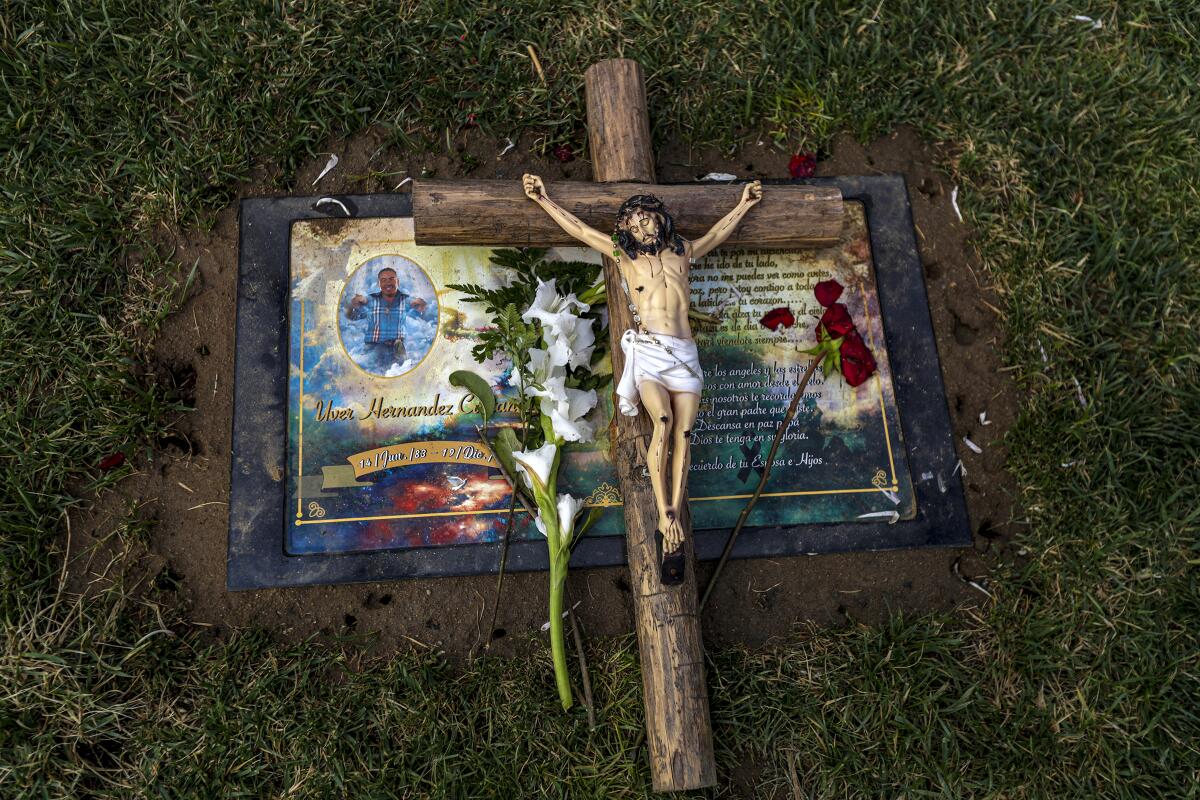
[(388, 315)]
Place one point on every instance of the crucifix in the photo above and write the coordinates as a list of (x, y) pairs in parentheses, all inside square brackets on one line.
[(679, 733), (662, 365)]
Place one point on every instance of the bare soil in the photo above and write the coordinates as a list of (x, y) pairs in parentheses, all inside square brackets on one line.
[(179, 491)]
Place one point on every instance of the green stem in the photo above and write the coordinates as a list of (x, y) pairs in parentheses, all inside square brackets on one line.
[(558, 642), (560, 557), (762, 482)]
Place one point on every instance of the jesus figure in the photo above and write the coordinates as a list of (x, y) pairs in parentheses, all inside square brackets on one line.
[(662, 365)]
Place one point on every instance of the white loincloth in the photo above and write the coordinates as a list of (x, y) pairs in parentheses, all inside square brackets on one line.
[(647, 361)]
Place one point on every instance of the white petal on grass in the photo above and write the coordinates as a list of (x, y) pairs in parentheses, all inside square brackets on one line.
[(1045, 358), (1095, 23), (329, 165), (546, 624), (1079, 392), (954, 202), (974, 447), (332, 201)]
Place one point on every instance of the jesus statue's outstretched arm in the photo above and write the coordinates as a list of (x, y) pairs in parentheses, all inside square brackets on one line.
[(725, 226), (535, 190)]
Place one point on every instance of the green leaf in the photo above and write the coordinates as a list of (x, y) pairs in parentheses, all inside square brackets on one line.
[(593, 516), (476, 385), (503, 446)]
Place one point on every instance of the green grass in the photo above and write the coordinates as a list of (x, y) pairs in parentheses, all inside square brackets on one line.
[(1077, 165)]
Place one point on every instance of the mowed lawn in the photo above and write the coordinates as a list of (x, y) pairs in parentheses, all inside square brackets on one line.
[(1075, 150)]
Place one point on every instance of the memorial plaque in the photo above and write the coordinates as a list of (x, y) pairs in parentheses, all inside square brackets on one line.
[(355, 459)]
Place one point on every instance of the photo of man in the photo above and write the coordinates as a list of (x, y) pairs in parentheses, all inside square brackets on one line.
[(387, 331)]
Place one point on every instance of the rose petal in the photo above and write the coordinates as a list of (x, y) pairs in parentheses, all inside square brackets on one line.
[(836, 320), (828, 292), (778, 316), (112, 461), (857, 362), (564, 153), (803, 165)]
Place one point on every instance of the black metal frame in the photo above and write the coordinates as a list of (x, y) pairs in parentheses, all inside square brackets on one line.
[(257, 517)]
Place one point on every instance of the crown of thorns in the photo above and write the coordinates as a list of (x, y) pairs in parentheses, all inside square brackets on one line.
[(667, 237)]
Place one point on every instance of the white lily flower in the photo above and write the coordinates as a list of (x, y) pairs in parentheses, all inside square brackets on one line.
[(542, 372), (549, 307), (567, 507), (535, 465), (540, 367), (566, 413), (570, 341)]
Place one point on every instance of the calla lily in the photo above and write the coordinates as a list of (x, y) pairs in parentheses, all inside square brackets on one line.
[(535, 465)]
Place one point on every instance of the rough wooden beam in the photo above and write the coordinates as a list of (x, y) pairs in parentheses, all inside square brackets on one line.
[(679, 733), (498, 213), (618, 122)]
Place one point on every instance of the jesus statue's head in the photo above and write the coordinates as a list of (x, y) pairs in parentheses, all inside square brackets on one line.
[(644, 226)]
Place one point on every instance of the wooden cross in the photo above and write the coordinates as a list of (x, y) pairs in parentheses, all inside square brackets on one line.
[(679, 733)]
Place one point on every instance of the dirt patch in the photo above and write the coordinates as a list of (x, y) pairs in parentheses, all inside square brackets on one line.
[(179, 492)]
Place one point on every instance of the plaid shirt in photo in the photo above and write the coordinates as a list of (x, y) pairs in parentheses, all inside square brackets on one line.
[(385, 320)]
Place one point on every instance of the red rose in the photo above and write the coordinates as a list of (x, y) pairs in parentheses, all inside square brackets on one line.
[(112, 461), (827, 292), (564, 153), (803, 165), (836, 320), (778, 316), (857, 361)]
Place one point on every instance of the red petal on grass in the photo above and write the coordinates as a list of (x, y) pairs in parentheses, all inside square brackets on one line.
[(112, 461), (564, 153), (857, 362), (803, 165), (827, 292), (778, 316)]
